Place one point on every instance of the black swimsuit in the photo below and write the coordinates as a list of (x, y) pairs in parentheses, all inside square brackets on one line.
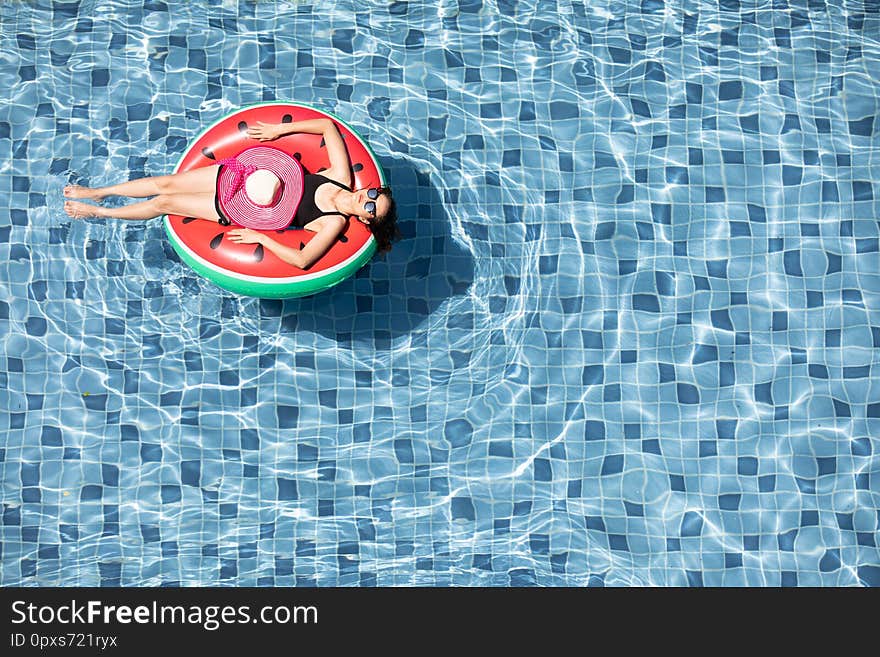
[(307, 211)]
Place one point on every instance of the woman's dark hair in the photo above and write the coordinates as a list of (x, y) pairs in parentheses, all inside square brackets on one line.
[(385, 230)]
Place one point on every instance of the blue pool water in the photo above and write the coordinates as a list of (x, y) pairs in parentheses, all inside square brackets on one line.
[(629, 337)]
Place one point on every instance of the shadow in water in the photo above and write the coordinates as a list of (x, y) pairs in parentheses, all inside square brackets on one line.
[(395, 292)]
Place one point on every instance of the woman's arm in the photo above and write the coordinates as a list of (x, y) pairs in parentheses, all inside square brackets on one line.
[(340, 167), (300, 258), (268, 131)]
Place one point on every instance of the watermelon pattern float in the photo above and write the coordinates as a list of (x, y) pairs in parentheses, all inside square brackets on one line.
[(249, 269)]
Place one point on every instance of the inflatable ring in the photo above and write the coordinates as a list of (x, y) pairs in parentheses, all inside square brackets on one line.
[(249, 269)]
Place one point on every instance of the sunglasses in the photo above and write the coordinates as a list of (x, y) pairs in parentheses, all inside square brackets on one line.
[(370, 206)]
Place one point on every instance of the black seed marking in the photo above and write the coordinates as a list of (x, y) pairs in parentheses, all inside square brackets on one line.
[(216, 241), (321, 169), (258, 253), (242, 127), (287, 118), (298, 156), (188, 220), (343, 239), (302, 246), (357, 167), (208, 153), (322, 142)]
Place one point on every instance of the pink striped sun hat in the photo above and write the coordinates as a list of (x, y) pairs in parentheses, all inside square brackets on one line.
[(260, 188)]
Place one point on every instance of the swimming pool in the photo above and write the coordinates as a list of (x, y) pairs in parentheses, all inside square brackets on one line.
[(629, 337)]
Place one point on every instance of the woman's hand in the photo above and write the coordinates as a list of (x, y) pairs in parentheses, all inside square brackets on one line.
[(265, 131), (245, 236)]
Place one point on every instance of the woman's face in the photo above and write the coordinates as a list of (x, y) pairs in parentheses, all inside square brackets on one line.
[(383, 203)]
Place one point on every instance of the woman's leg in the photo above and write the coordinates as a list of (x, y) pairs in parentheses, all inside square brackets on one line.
[(197, 181), (188, 205)]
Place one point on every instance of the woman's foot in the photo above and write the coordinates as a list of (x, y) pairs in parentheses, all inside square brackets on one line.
[(78, 191), (79, 210)]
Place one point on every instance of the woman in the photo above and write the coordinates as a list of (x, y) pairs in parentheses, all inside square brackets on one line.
[(326, 203)]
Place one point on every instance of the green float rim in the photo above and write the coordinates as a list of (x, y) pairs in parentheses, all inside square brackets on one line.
[(275, 288)]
